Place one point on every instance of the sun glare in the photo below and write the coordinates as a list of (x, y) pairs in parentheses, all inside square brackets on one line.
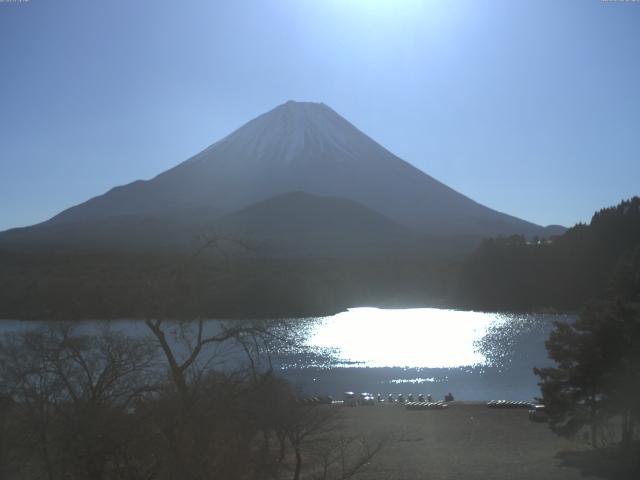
[(415, 338), (387, 12)]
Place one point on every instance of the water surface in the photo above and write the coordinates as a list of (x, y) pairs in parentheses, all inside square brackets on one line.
[(475, 355), (415, 337)]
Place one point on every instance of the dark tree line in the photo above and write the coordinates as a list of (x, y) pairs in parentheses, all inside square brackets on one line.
[(563, 273), (116, 285)]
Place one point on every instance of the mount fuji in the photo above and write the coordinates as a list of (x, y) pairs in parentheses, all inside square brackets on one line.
[(298, 152)]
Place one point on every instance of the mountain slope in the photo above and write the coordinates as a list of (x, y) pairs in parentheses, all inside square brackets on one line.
[(303, 147), (301, 224), (124, 232), (292, 224)]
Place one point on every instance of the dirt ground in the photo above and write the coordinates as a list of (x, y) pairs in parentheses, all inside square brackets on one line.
[(466, 441)]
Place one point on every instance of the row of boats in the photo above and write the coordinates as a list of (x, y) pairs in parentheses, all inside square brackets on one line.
[(354, 399), (537, 413), (510, 404)]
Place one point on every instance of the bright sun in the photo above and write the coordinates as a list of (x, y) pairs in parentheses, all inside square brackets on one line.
[(391, 18)]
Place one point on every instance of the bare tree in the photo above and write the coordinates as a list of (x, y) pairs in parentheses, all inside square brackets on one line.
[(321, 450), (345, 457), (73, 395)]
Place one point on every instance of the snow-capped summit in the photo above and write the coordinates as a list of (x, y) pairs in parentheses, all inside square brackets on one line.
[(290, 131), (299, 147)]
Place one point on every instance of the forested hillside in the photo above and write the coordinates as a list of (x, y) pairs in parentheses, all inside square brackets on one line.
[(598, 260), (138, 286)]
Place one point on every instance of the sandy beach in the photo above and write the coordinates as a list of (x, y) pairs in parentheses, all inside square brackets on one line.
[(465, 441)]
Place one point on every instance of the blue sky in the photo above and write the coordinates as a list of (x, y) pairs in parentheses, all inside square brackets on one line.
[(529, 107)]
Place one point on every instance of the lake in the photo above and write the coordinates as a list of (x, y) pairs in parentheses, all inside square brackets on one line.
[(474, 355)]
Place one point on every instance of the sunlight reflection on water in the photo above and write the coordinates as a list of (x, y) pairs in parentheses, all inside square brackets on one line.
[(418, 337)]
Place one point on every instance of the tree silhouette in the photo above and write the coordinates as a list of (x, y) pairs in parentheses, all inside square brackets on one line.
[(597, 376)]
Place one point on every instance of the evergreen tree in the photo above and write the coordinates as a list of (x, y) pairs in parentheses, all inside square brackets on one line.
[(597, 376)]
